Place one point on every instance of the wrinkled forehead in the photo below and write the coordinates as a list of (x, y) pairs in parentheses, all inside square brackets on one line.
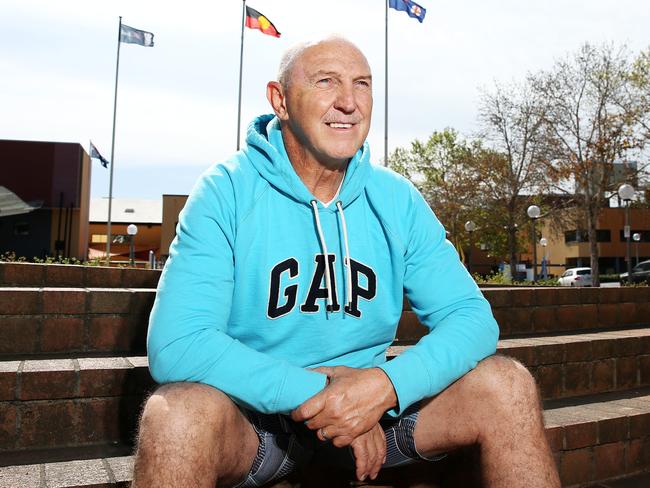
[(337, 56)]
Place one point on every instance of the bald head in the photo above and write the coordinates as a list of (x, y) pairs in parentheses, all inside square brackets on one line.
[(292, 55)]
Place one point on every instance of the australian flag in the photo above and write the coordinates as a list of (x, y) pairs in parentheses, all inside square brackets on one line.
[(94, 153), (411, 8)]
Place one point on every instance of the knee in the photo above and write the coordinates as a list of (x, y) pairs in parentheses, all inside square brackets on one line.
[(506, 384), (184, 408)]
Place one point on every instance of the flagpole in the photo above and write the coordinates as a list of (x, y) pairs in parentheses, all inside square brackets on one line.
[(386, 90), (241, 64), (109, 236)]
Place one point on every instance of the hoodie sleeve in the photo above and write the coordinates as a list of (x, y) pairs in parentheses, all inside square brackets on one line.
[(462, 329), (188, 337)]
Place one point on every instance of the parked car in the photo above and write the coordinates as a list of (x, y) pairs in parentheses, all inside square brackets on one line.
[(576, 277), (640, 274)]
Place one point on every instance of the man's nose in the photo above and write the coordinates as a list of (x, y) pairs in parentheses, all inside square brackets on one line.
[(345, 101)]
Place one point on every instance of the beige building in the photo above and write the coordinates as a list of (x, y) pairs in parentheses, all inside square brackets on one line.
[(146, 214)]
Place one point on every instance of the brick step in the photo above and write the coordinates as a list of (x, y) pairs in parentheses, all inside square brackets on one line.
[(596, 440), (70, 402), (580, 363), (45, 321), (48, 402), (63, 320), (40, 275), (543, 311), (577, 364)]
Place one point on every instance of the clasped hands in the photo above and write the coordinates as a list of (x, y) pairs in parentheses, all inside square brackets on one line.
[(347, 412)]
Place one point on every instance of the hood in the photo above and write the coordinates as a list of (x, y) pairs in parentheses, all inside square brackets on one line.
[(265, 149)]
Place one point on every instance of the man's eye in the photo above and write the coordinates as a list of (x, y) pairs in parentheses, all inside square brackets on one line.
[(324, 82), (363, 83)]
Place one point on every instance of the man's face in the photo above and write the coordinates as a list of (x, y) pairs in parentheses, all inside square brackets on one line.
[(328, 102)]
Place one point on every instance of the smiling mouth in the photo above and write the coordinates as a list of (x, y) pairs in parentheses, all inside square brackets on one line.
[(340, 125)]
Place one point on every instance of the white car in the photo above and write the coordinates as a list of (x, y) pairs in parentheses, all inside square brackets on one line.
[(576, 277)]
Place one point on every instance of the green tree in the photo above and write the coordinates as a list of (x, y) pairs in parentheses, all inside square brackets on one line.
[(443, 169)]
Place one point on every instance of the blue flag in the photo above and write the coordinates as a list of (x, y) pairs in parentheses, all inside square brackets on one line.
[(94, 153), (411, 8)]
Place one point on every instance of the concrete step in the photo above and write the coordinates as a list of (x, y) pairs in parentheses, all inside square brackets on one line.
[(596, 440), (65, 275)]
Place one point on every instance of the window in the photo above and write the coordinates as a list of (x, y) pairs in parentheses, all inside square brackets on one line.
[(583, 272), (581, 235), (21, 229), (645, 235), (98, 238)]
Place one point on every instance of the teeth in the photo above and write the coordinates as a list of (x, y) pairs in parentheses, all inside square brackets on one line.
[(337, 125)]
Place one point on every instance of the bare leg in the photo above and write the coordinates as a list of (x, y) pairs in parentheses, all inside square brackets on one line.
[(192, 435), (496, 405)]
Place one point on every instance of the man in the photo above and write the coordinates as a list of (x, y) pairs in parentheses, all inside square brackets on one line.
[(284, 289)]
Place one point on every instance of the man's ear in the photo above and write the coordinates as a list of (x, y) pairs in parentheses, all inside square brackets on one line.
[(277, 98)]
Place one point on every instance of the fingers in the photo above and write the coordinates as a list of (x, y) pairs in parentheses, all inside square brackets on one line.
[(380, 458), (363, 456), (309, 408), (369, 453), (326, 370)]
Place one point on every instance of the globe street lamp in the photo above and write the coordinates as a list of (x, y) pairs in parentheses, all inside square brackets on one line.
[(544, 242), (534, 213), (637, 237), (625, 193), (470, 227), (132, 230)]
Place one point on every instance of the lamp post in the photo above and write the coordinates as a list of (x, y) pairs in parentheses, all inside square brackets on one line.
[(534, 213), (544, 242), (470, 227), (625, 193), (132, 230), (637, 237)]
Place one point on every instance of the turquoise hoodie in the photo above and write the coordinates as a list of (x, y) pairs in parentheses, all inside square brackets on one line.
[(242, 303)]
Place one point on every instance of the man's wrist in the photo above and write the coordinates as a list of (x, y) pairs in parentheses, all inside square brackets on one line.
[(389, 399)]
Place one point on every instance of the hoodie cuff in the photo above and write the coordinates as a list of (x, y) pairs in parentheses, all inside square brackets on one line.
[(410, 379), (299, 385)]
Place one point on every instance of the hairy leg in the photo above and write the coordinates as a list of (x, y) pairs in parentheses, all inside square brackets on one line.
[(496, 406), (192, 435)]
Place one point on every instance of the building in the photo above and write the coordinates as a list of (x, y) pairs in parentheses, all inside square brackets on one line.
[(144, 213), (571, 248), (172, 206), (44, 199)]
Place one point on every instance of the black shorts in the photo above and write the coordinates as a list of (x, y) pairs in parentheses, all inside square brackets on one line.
[(286, 445)]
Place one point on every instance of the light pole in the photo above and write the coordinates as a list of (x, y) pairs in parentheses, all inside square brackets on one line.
[(637, 237), (470, 227), (625, 193), (534, 213), (544, 242), (132, 230)]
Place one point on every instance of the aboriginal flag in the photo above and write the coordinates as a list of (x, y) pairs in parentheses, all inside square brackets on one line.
[(256, 20)]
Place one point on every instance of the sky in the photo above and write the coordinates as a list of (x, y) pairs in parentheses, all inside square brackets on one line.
[(177, 101)]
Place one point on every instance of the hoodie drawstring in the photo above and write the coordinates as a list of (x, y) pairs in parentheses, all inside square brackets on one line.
[(328, 279), (348, 269)]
